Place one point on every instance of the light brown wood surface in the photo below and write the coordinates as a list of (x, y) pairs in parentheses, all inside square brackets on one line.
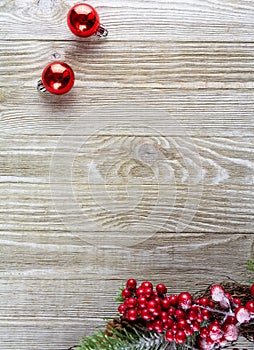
[(145, 169)]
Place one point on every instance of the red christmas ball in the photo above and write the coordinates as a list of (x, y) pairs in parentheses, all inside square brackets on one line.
[(83, 20), (58, 78)]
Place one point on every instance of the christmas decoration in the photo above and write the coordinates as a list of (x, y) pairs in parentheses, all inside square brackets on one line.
[(151, 318), (57, 78), (83, 20)]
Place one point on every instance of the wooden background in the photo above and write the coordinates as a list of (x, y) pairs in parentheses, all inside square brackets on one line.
[(191, 63)]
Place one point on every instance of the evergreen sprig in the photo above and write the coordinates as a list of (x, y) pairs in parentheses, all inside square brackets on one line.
[(250, 265), (119, 298), (136, 340)]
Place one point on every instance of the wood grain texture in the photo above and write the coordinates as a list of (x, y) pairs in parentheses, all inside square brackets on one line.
[(157, 132)]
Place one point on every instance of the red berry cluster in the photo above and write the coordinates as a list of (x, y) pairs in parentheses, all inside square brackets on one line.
[(181, 316)]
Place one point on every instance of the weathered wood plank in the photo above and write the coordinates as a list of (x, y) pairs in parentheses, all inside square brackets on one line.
[(137, 64), (138, 20), (199, 112)]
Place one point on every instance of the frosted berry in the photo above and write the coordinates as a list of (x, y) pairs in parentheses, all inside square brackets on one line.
[(242, 314), (215, 331), (185, 300), (231, 332), (217, 293)]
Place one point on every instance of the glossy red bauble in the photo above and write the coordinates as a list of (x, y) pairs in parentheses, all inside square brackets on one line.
[(58, 78), (83, 20)]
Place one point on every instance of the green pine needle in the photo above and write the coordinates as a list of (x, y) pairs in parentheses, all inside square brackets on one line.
[(250, 265), (119, 299)]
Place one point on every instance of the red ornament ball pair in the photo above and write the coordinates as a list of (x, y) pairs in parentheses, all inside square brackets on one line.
[(58, 77)]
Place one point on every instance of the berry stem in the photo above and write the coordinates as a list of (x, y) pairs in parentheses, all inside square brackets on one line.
[(229, 313)]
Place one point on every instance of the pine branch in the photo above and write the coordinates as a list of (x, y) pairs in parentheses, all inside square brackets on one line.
[(250, 265)]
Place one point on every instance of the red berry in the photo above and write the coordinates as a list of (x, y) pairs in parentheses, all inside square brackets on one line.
[(204, 332), (145, 314), (230, 320), (174, 328), (161, 288), (158, 300), (182, 324), (140, 291), (157, 311), (126, 293), (152, 305), (189, 331), (132, 314), (206, 314), (200, 317), (131, 302), (180, 314), (169, 336), (211, 304), (195, 325), (252, 290), (171, 311), (131, 284), (165, 303), (204, 301), (158, 327), (173, 300), (180, 337), (142, 302), (237, 301), (168, 324), (164, 316), (122, 308), (148, 292), (192, 315), (185, 300), (250, 306), (149, 325), (147, 284)]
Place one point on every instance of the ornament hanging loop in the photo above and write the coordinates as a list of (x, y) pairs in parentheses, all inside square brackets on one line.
[(101, 32), (40, 86)]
